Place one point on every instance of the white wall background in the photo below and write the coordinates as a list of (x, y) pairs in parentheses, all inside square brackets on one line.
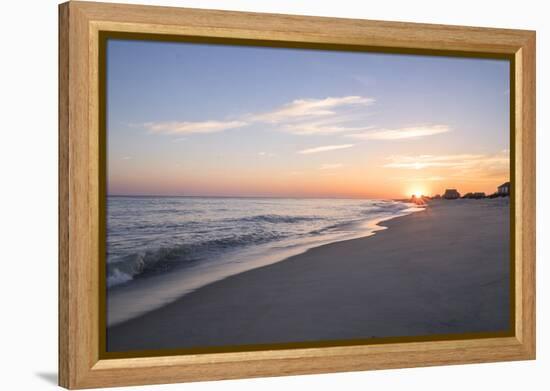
[(28, 195)]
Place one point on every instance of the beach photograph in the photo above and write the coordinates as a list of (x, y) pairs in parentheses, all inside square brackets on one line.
[(266, 197)]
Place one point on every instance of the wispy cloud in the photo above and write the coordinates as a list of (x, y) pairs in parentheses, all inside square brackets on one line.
[(266, 154), (301, 116), (401, 133), (325, 148), (434, 178), (301, 108), (322, 128), (331, 166), (176, 127), (332, 115), (127, 158), (459, 161)]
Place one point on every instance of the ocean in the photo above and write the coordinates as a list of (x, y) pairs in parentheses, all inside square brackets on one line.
[(160, 248)]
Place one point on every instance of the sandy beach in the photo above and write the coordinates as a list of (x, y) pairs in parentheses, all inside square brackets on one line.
[(440, 271)]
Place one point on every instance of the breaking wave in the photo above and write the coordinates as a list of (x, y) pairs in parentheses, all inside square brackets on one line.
[(149, 236)]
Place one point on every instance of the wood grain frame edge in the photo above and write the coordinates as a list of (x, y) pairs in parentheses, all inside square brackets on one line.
[(79, 366)]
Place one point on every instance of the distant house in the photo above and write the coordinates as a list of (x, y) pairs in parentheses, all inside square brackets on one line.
[(504, 189), (451, 194)]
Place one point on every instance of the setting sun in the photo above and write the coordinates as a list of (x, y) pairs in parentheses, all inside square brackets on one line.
[(417, 193)]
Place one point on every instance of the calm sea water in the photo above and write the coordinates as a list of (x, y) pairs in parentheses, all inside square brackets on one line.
[(159, 248)]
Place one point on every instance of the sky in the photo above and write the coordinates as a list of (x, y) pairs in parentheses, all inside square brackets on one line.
[(216, 120)]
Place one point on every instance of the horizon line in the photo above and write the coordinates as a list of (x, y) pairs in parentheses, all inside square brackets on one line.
[(244, 196)]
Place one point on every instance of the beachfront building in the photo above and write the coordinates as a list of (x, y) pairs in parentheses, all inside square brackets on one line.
[(504, 189), (451, 194)]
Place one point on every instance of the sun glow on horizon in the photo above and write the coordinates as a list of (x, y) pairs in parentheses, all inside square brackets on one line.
[(417, 192)]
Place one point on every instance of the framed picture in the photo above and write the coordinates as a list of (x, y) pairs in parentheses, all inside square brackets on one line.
[(247, 195)]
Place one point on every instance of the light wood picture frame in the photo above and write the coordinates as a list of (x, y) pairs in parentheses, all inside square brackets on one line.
[(81, 145)]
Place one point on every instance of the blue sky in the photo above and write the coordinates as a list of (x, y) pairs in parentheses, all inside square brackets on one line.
[(196, 119)]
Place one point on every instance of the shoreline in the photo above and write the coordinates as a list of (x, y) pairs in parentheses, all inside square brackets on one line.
[(120, 307), (320, 294)]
